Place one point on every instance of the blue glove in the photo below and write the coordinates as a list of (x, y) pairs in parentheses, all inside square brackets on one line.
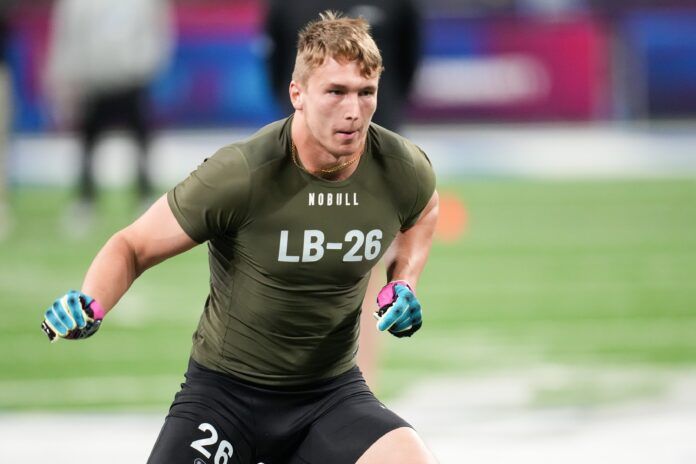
[(399, 310), (72, 316)]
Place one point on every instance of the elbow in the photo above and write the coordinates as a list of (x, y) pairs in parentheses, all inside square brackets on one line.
[(126, 248)]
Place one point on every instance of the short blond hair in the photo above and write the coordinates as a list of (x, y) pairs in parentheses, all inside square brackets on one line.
[(337, 37)]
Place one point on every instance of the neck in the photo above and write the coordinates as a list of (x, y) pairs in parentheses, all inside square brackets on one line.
[(314, 158)]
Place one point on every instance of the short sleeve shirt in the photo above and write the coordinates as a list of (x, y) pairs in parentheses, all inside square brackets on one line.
[(290, 253)]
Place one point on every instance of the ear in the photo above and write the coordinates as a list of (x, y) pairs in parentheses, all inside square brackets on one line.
[(296, 95)]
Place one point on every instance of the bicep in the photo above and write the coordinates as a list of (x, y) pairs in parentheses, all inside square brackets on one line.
[(428, 217), (157, 235), (419, 234), (409, 251)]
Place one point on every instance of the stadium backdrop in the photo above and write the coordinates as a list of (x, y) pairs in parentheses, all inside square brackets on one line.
[(496, 67)]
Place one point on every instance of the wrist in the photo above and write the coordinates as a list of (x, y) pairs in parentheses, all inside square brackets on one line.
[(97, 309), (387, 295), (401, 282)]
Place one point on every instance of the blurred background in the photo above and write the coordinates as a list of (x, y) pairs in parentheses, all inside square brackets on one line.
[(560, 295)]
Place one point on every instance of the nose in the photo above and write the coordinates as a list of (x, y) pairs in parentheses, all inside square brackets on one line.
[(351, 106)]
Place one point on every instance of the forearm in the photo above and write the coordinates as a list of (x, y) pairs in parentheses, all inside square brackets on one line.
[(409, 252), (112, 272), (154, 237), (400, 311), (151, 239), (408, 261)]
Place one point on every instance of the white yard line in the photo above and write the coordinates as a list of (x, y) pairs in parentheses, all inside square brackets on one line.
[(498, 418), (488, 418), (77, 439), (533, 150), (88, 391)]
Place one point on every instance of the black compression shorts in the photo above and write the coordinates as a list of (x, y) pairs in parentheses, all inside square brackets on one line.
[(219, 419)]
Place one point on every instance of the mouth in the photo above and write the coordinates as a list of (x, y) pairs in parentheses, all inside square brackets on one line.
[(347, 134)]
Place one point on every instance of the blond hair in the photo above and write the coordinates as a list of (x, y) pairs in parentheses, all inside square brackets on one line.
[(337, 37)]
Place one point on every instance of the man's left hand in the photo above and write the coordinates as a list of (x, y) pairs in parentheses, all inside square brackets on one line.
[(399, 310)]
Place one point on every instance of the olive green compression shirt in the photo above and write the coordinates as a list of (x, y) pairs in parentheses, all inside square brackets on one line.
[(290, 253)]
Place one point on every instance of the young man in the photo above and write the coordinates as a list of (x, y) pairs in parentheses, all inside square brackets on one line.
[(395, 25), (294, 217)]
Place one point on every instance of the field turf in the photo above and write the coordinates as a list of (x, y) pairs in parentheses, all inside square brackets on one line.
[(582, 272)]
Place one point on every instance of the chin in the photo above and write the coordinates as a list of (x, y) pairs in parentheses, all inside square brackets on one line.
[(346, 146), (346, 150)]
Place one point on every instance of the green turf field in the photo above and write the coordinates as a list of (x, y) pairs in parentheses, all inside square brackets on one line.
[(587, 272)]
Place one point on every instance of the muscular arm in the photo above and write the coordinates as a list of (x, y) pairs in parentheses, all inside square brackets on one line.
[(407, 255), (151, 239)]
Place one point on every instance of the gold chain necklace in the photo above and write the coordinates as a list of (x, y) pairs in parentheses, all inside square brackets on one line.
[(332, 170)]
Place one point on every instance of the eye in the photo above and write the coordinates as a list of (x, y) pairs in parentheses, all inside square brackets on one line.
[(367, 93), (335, 92)]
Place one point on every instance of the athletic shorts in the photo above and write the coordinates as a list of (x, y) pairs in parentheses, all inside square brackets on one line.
[(219, 419)]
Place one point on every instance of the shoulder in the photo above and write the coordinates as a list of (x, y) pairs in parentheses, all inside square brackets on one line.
[(396, 151), (406, 172), (266, 146), (216, 197)]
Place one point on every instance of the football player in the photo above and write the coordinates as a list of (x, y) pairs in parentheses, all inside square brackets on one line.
[(294, 217)]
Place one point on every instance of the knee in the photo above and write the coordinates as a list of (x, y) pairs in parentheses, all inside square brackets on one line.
[(402, 446)]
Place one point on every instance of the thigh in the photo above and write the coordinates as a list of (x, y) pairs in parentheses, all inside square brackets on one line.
[(209, 422), (344, 433), (400, 446), (199, 439)]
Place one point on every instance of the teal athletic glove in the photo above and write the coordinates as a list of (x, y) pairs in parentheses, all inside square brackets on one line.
[(72, 316), (399, 309)]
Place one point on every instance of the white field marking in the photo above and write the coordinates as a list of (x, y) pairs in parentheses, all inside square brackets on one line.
[(78, 438), (650, 416), (135, 310), (140, 307), (559, 151), (89, 391), (484, 418)]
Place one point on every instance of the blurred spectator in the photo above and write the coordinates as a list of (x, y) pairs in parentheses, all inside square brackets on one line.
[(471, 7), (551, 7), (396, 28), (616, 7), (5, 113), (104, 55)]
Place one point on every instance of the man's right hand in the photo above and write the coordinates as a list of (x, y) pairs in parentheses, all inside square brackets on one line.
[(72, 316)]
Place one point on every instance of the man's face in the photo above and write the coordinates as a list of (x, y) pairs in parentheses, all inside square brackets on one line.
[(337, 103)]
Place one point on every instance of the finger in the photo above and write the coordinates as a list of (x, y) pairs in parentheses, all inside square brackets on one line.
[(393, 315), (50, 333), (405, 318), (62, 311), (72, 299), (417, 325), (86, 301), (408, 332), (401, 327), (402, 290), (413, 317), (54, 323)]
